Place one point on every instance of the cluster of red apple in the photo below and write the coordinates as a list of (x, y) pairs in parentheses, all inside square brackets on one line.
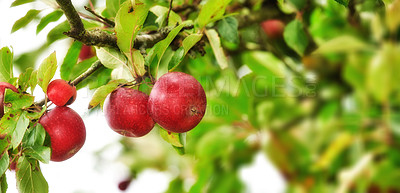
[(177, 103), (273, 28)]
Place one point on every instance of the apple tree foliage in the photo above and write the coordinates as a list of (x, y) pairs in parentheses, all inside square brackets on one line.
[(321, 102)]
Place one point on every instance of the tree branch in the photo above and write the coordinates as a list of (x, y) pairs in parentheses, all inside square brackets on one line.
[(79, 79)]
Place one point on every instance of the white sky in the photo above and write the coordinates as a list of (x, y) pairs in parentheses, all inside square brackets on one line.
[(78, 174)]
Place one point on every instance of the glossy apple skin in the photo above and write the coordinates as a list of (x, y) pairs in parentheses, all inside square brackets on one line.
[(61, 93), (66, 130), (3, 86), (86, 52), (273, 28), (177, 102), (126, 113)]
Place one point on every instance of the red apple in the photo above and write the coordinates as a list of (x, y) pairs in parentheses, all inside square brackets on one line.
[(61, 93), (86, 52), (123, 185), (273, 28), (3, 86), (177, 102), (126, 113), (66, 130)]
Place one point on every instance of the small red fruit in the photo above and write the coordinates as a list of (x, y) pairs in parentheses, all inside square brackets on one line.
[(123, 185), (3, 86), (273, 28), (126, 113), (66, 130), (177, 102), (61, 93), (86, 52)]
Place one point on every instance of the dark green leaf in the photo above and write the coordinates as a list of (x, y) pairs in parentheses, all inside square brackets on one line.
[(20, 129), (3, 184), (81, 67), (154, 57), (24, 79), (228, 29), (40, 153), (6, 67), (102, 92), (343, 2), (58, 32), (25, 20), (4, 162), (21, 2), (46, 71), (70, 60), (51, 17), (176, 59), (296, 37), (29, 177)]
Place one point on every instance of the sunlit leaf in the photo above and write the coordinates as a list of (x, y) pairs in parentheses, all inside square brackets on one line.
[(51, 17), (46, 71), (6, 67), (110, 57), (215, 43), (295, 36), (102, 92), (20, 129)]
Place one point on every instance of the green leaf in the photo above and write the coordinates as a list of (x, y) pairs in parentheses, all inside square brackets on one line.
[(213, 10), (20, 129), (190, 41), (29, 177), (153, 58), (9, 121), (3, 184), (6, 67), (393, 16), (382, 72), (161, 13), (138, 63), (343, 2), (128, 22), (47, 70), (4, 162), (176, 59), (33, 81), (172, 138), (58, 32), (34, 136), (215, 43), (16, 101), (336, 45), (24, 79), (25, 20), (51, 17), (21, 2), (256, 62), (81, 67), (110, 57), (113, 6), (295, 37), (102, 92), (40, 153), (70, 60), (228, 29)]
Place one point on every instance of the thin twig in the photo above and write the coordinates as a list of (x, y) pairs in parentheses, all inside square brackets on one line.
[(169, 11), (79, 79), (107, 21)]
